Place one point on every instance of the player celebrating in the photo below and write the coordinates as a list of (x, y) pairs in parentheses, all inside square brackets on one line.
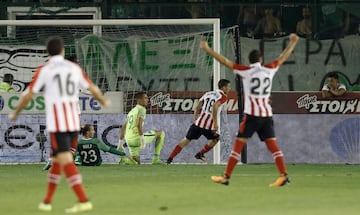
[(60, 80), (257, 81), (136, 138), (206, 118)]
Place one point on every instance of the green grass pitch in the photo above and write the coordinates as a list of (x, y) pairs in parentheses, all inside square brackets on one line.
[(187, 189)]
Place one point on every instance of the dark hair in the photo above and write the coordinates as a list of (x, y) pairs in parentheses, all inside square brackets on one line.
[(222, 83), (254, 56), (54, 45), (85, 129), (8, 78), (139, 95), (333, 75)]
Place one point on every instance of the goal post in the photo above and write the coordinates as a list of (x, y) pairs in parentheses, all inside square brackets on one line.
[(98, 26)]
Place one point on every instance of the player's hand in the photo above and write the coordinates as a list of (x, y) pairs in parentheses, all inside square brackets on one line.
[(216, 133), (106, 103), (204, 45), (142, 143), (12, 116), (120, 145), (294, 37)]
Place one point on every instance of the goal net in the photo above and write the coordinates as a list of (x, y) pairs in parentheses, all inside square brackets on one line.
[(161, 57)]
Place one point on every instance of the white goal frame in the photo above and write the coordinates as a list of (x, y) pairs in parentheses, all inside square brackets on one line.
[(215, 22)]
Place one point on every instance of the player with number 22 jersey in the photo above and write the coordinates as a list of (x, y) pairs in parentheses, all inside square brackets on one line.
[(257, 83)]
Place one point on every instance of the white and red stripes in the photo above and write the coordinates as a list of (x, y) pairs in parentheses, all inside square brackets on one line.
[(74, 180)]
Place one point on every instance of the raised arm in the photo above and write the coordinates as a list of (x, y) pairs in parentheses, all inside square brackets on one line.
[(288, 50), (223, 60)]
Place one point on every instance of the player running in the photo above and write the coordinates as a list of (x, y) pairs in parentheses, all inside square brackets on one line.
[(206, 121), (257, 82)]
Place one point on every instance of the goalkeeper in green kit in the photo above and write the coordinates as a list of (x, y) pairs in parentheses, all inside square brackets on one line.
[(136, 138), (88, 148)]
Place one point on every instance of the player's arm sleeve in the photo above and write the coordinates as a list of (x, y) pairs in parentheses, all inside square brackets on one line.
[(37, 81), (116, 152), (342, 86), (240, 69), (107, 148), (140, 122), (85, 81)]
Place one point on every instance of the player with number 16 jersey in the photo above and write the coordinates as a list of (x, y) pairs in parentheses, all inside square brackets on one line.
[(61, 79)]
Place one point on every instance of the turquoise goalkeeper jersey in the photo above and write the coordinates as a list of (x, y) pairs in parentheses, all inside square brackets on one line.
[(132, 131)]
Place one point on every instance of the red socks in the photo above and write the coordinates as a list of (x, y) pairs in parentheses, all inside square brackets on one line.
[(277, 155), (74, 180), (234, 157), (205, 149), (54, 177), (176, 151)]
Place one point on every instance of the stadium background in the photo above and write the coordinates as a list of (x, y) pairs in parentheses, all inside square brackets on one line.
[(336, 139)]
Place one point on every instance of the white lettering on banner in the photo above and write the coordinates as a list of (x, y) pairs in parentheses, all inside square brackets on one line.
[(186, 104), (333, 106), (305, 101), (182, 105), (159, 98), (88, 104)]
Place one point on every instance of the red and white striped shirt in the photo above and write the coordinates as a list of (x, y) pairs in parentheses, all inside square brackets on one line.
[(257, 83), (60, 80), (205, 119)]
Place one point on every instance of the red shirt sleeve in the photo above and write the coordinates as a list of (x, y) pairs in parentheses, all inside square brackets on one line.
[(240, 67), (272, 65)]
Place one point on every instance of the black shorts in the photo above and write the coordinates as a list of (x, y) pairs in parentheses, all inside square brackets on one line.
[(62, 141), (195, 132), (264, 126)]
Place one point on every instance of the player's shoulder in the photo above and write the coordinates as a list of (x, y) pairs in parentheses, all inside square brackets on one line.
[(138, 109), (341, 86), (272, 65), (241, 67)]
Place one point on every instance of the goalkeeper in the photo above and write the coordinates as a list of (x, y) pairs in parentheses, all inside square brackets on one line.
[(136, 139), (88, 148)]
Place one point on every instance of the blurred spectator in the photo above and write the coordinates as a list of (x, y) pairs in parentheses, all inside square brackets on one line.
[(335, 22), (304, 26), (248, 18), (196, 10), (333, 87), (124, 9), (269, 26), (5, 86)]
